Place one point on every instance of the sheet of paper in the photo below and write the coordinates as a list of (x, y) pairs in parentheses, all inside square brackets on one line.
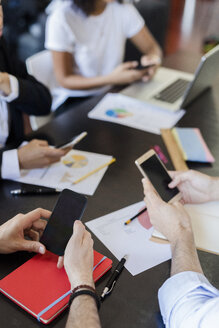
[(205, 224), (72, 166), (137, 114), (132, 240)]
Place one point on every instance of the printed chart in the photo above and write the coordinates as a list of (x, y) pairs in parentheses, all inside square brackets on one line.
[(137, 114)]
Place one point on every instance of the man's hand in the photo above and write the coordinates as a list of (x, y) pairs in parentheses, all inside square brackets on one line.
[(195, 187), (37, 153), (170, 219), (14, 231), (78, 257), (126, 73), (5, 85), (150, 60)]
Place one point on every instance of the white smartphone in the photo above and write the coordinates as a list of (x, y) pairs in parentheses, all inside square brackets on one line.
[(72, 142), (152, 167)]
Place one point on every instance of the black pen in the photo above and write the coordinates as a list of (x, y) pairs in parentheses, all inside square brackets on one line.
[(36, 191), (112, 280), (135, 216)]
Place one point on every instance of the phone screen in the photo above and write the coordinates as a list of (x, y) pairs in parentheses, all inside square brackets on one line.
[(69, 207), (159, 178)]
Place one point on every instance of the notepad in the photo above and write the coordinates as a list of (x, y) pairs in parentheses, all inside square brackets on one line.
[(41, 289), (205, 224), (192, 145)]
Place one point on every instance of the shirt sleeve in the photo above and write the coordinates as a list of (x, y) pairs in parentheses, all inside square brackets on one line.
[(187, 299), (133, 22), (14, 90), (10, 165), (58, 35)]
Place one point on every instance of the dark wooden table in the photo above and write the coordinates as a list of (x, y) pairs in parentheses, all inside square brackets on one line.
[(133, 303)]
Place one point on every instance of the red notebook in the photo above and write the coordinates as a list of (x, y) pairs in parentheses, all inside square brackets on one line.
[(43, 290)]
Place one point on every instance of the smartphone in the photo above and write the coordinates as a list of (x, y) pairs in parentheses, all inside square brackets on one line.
[(70, 206), (152, 167), (140, 67), (73, 141)]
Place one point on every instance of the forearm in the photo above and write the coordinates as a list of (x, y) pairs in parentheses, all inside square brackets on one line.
[(83, 313), (214, 192), (146, 44), (153, 50), (184, 255), (79, 82)]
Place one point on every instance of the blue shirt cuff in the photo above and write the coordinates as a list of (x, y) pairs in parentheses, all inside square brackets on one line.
[(179, 287)]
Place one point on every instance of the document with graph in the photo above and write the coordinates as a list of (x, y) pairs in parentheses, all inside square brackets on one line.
[(134, 113), (74, 166), (134, 239)]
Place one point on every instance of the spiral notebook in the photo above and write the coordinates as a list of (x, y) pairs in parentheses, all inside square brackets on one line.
[(41, 289)]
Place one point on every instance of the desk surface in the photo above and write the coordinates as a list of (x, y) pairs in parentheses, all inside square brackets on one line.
[(133, 303)]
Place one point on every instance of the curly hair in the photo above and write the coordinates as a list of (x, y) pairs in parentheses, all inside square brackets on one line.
[(87, 6)]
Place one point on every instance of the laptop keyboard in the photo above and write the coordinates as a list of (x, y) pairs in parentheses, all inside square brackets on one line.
[(173, 92)]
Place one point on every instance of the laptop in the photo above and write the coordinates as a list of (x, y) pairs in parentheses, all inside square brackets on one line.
[(171, 89)]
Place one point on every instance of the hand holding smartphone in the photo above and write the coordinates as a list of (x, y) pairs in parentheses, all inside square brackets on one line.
[(152, 167), (70, 206), (141, 67), (72, 142)]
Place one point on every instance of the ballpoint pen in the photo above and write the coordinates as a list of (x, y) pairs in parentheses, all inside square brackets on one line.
[(112, 280), (135, 216), (36, 191)]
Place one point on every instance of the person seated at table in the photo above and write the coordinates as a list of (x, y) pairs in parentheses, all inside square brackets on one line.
[(87, 41), (186, 299), (21, 95), (78, 259)]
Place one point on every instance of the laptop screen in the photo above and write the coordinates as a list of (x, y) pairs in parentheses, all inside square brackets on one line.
[(204, 77)]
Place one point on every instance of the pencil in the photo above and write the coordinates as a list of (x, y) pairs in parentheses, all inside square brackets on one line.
[(94, 171), (135, 216)]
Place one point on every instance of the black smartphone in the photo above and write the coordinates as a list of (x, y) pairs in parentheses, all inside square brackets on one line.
[(70, 206), (140, 67), (151, 166)]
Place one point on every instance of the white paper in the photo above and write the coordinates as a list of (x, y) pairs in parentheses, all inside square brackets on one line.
[(132, 240), (205, 225), (71, 167), (134, 113)]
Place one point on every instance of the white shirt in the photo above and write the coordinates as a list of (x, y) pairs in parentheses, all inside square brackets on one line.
[(10, 164), (188, 300), (97, 43)]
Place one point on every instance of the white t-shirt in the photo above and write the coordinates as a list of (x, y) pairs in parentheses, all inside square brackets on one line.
[(96, 42)]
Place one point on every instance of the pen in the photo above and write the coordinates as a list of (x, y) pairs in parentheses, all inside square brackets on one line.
[(112, 280), (135, 216), (37, 191), (94, 171)]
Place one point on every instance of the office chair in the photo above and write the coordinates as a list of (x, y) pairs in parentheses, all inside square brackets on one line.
[(40, 66)]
